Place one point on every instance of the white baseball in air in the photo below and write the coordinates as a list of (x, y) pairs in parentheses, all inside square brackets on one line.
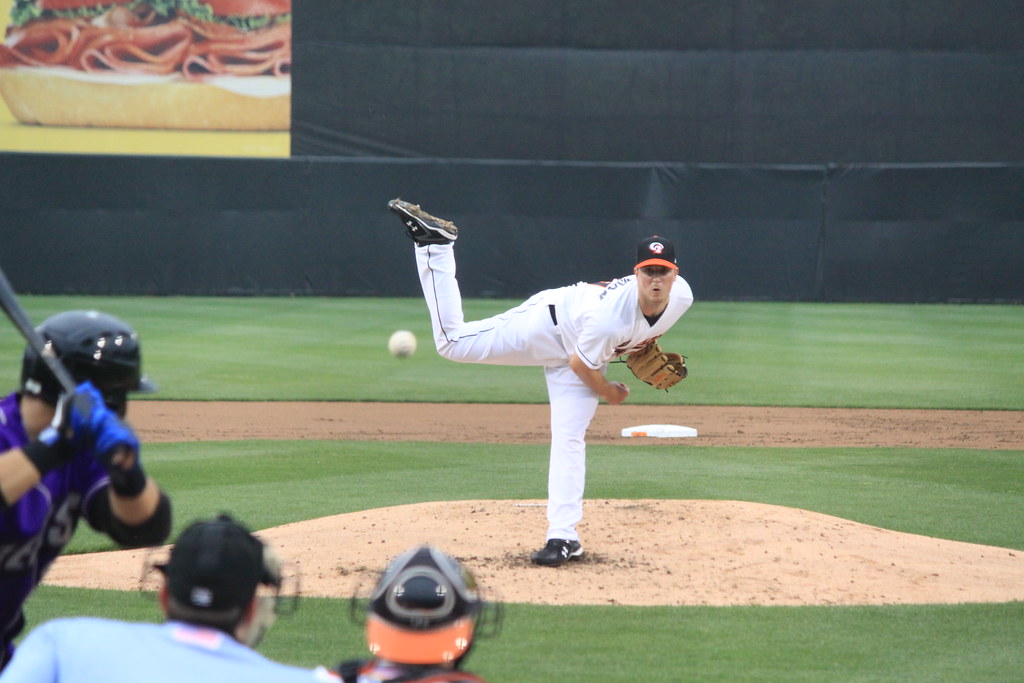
[(402, 344)]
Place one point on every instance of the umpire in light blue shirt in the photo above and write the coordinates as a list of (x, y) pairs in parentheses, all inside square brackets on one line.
[(215, 616)]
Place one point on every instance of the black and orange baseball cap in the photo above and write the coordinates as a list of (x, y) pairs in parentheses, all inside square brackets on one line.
[(656, 251)]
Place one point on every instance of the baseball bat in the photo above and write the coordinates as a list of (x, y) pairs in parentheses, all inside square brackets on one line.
[(12, 307)]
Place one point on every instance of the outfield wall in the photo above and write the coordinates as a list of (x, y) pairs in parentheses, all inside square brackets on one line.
[(319, 226), (743, 81)]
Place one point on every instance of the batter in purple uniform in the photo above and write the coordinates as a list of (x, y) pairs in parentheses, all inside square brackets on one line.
[(65, 457)]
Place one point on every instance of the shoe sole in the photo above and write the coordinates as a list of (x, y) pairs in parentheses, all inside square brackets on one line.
[(410, 212)]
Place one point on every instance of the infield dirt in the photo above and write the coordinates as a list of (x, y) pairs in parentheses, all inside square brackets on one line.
[(640, 552)]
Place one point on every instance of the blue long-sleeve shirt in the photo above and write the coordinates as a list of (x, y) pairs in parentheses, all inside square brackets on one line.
[(87, 650)]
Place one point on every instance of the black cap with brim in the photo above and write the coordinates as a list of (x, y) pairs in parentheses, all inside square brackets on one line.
[(656, 251), (215, 565)]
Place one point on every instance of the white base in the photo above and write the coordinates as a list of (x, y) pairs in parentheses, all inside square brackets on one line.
[(661, 431)]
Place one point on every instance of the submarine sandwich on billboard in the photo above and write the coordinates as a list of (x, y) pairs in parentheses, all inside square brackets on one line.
[(177, 64)]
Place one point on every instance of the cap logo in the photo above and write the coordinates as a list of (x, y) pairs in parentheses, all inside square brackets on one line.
[(657, 247), (201, 597)]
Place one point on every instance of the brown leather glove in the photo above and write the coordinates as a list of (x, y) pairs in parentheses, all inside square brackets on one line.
[(658, 368)]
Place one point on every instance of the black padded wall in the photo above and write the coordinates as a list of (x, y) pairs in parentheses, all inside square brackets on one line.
[(172, 226), (745, 81)]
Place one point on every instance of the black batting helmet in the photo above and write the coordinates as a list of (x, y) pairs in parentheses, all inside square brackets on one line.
[(92, 346), (423, 610)]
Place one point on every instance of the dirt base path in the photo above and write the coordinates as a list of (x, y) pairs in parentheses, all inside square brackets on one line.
[(641, 552), (493, 423)]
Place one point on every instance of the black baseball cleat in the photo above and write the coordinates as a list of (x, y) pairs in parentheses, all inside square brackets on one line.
[(557, 552), (420, 226)]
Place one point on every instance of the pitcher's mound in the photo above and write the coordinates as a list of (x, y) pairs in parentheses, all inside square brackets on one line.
[(638, 552)]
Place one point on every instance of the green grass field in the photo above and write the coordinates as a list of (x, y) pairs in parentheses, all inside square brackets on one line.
[(841, 355), (894, 356)]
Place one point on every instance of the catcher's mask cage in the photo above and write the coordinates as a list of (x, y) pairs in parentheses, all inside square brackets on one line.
[(93, 346), (426, 609)]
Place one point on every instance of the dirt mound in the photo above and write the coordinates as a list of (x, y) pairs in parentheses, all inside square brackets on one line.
[(640, 552)]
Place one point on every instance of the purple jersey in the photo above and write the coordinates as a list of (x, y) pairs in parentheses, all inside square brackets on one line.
[(35, 529)]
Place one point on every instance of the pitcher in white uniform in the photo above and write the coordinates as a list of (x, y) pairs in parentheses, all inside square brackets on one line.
[(573, 332)]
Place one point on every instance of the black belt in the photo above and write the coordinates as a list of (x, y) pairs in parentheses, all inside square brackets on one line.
[(554, 318)]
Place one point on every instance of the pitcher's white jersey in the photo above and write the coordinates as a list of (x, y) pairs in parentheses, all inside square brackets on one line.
[(599, 322)]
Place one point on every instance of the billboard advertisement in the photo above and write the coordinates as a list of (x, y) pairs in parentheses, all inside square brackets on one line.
[(167, 77)]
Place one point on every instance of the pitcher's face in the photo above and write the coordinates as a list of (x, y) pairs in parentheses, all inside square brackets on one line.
[(654, 284)]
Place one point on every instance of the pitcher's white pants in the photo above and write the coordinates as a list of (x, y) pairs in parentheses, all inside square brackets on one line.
[(524, 335)]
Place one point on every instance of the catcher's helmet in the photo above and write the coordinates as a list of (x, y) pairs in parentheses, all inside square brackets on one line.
[(92, 346), (423, 610)]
